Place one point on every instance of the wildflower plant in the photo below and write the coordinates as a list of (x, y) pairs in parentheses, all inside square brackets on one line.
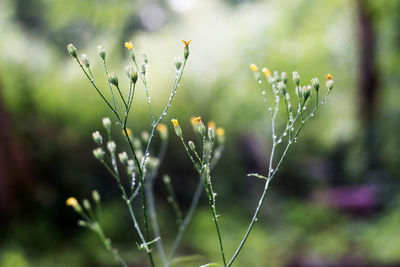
[(136, 170), (275, 92)]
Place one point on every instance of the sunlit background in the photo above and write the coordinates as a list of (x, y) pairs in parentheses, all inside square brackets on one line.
[(335, 201)]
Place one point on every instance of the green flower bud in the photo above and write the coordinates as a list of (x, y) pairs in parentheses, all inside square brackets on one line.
[(85, 60), (113, 78), (145, 136), (296, 77), (177, 128), (123, 157), (97, 138), (282, 87), (82, 223), (111, 146), (98, 153), (102, 52), (307, 92), (86, 204), (166, 179), (211, 134), (315, 83), (72, 50), (178, 63), (143, 68), (284, 77), (96, 195), (192, 146), (107, 124), (145, 59), (329, 84)]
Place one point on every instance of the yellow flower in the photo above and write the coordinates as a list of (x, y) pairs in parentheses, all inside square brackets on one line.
[(186, 43), (266, 72), (211, 125), (71, 202), (175, 122), (196, 120), (162, 128), (253, 67), (129, 45), (220, 131), (328, 77), (129, 131)]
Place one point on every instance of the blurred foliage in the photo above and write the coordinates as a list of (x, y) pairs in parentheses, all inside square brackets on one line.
[(54, 110)]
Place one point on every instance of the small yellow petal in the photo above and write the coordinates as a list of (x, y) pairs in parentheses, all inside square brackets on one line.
[(175, 122), (328, 77), (266, 72), (220, 131), (196, 120), (253, 67), (129, 131), (211, 125), (162, 128), (71, 202), (186, 43), (129, 45)]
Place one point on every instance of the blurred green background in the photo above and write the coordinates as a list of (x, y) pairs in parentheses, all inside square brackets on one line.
[(335, 202)]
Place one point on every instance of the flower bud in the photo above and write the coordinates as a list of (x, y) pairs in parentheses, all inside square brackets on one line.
[(199, 125), (145, 136), (177, 128), (123, 157), (111, 146), (143, 68), (82, 223), (282, 87), (107, 124), (253, 67), (186, 52), (329, 82), (102, 52), (113, 78), (211, 134), (98, 153), (72, 50), (166, 179), (163, 130), (220, 135), (85, 60), (72, 202), (178, 63), (96, 195), (284, 77), (315, 83), (145, 59), (97, 138), (86, 204), (191, 146), (296, 77), (131, 167), (307, 92)]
